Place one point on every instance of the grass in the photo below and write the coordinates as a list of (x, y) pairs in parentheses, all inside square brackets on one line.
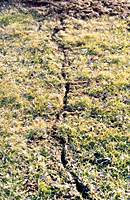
[(31, 93)]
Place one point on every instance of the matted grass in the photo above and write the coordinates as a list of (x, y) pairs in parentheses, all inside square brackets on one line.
[(97, 122)]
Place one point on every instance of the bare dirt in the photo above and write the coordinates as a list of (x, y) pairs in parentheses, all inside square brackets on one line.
[(78, 8)]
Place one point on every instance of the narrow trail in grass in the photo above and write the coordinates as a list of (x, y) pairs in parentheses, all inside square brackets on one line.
[(61, 115)]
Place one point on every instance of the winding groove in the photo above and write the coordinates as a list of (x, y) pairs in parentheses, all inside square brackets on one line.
[(80, 186)]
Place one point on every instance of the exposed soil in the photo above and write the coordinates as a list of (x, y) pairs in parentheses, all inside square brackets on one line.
[(79, 185), (78, 8)]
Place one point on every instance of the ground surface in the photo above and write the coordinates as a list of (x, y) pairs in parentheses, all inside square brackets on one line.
[(78, 8), (64, 102)]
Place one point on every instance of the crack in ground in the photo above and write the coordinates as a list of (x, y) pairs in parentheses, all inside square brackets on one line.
[(80, 186)]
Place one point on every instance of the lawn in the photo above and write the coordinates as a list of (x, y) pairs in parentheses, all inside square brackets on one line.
[(64, 107)]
